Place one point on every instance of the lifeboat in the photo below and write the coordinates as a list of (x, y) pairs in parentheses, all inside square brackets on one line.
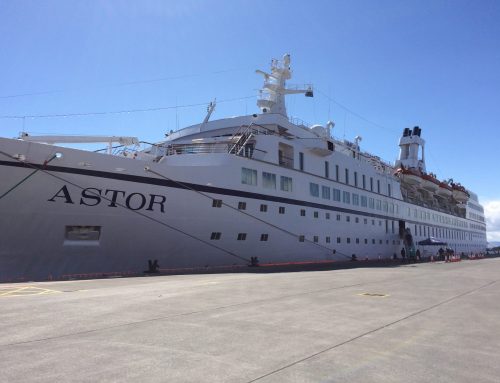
[(430, 183), (445, 190), (410, 177), (459, 193)]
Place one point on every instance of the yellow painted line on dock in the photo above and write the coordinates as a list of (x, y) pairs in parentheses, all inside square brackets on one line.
[(25, 291)]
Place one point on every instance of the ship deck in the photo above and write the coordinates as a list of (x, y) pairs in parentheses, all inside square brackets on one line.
[(413, 323)]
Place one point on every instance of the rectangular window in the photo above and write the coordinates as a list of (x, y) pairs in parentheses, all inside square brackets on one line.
[(248, 176), (264, 237), (366, 241), (371, 183), (302, 212), (327, 239), (389, 192), (348, 218), (281, 210), (315, 238), (327, 215), (301, 238), (338, 239), (86, 234), (286, 183), (263, 208), (364, 201), (347, 176), (216, 203), (336, 195), (356, 220), (357, 240), (385, 206), (378, 186), (269, 180), (325, 192), (337, 175), (338, 217), (327, 169), (346, 197), (314, 189), (242, 236), (316, 214), (365, 221), (378, 204), (348, 240), (215, 236), (242, 205), (355, 199), (363, 179), (301, 160), (356, 179)]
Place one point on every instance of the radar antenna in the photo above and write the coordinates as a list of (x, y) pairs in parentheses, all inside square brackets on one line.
[(274, 90)]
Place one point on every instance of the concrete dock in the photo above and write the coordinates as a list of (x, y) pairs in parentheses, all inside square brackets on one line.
[(433, 322)]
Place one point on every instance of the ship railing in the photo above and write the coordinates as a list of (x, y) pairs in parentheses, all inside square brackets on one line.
[(201, 148), (299, 122)]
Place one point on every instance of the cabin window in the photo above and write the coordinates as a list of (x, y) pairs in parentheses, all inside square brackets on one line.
[(248, 176), (269, 180), (215, 236), (242, 236), (346, 197), (286, 183), (336, 195), (371, 203), (314, 189), (364, 201), (355, 199), (325, 192)]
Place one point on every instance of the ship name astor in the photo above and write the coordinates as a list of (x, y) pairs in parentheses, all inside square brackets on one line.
[(113, 198)]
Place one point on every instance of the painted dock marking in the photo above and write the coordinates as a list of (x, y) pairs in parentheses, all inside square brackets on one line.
[(24, 291)]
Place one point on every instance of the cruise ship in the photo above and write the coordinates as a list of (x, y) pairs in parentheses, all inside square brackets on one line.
[(248, 190)]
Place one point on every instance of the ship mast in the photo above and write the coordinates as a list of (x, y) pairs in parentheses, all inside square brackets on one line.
[(274, 90)]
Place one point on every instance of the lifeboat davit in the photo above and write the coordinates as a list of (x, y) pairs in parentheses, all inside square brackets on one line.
[(459, 193), (430, 183), (445, 190)]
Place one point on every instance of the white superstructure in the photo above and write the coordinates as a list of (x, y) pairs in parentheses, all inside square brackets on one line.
[(219, 193)]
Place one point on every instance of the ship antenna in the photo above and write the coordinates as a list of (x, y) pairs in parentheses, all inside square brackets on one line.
[(274, 90)]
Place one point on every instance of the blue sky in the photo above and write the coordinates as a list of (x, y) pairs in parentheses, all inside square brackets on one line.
[(394, 63)]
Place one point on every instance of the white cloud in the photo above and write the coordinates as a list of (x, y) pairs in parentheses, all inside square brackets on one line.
[(492, 213)]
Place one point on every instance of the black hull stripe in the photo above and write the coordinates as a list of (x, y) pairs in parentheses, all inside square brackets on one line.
[(206, 189)]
